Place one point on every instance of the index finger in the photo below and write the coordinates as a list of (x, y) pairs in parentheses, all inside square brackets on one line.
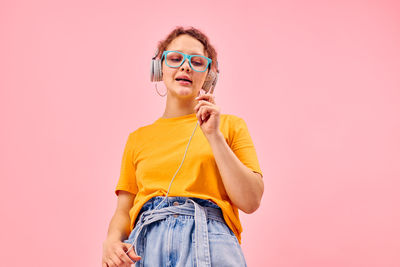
[(122, 255), (208, 96), (131, 254), (129, 250)]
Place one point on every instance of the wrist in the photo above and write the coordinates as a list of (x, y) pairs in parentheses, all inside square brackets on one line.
[(216, 137), (113, 238)]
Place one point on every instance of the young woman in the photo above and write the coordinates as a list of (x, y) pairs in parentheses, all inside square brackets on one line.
[(180, 187)]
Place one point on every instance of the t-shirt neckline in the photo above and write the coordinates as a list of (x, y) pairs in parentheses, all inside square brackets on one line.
[(179, 119)]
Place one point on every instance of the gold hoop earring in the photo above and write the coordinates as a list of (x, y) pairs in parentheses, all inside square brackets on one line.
[(159, 92)]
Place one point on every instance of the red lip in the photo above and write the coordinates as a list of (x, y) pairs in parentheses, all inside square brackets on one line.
[(184, 77), (184, 82)]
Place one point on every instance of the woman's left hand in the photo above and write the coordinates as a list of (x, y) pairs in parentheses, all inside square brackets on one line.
[(208, 114)]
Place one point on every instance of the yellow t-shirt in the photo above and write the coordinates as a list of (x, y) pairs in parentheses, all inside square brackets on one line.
[(154, 152)]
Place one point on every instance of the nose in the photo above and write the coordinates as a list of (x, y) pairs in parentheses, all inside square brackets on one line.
[(185, 65)]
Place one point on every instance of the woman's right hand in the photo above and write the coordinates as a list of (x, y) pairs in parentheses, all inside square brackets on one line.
[(114, 254)]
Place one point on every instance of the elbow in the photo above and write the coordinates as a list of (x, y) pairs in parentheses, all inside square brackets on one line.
[(252, 208), (256, 201)]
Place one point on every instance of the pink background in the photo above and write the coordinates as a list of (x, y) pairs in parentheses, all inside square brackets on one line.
[(317, 83)]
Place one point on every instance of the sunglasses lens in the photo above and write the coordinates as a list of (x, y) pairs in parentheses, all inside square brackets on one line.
[(199, 63), (174, 59)]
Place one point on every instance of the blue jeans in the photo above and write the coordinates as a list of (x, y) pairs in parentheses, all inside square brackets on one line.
[(184, 232)]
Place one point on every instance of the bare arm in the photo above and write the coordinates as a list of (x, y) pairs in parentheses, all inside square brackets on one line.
[(114, 250), (244, 186), (119, 227)]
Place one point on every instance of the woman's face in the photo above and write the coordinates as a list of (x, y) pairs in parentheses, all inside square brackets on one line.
[(186, 44)]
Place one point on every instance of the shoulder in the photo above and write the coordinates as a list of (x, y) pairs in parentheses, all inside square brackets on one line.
[(231, 120), (230, 125), (230, 117), (133, 135), (139, 131)]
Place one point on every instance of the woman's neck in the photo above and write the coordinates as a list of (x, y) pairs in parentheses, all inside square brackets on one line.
[(179, 107), (178, 113)]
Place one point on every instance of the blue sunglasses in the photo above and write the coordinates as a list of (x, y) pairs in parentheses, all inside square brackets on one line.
[(175, 59)]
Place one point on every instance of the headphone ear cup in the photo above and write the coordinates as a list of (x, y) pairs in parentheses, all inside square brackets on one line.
[(152, 71), (211, 81), (156, 72)]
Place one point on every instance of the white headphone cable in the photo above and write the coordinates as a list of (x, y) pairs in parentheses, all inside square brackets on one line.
[(187, 146)]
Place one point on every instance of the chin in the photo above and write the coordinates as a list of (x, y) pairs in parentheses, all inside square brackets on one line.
[(184, 90)]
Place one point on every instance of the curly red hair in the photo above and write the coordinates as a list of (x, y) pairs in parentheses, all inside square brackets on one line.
[(195, 33)]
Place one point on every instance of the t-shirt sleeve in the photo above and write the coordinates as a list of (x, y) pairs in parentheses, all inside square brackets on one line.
[(242, 145), (127, 178)]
